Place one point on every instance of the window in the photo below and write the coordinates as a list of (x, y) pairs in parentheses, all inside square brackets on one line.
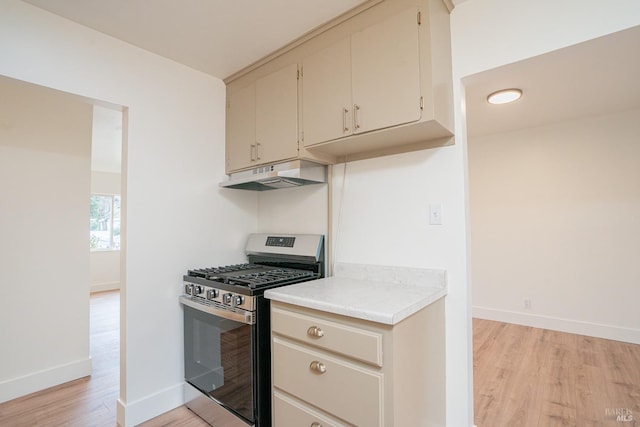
[(105, 222)]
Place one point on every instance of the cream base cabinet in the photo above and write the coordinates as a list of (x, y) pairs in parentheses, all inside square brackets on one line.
[(262, 121), (333, 370), (368, 81)]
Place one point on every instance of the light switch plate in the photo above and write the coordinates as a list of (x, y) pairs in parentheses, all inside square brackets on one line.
[(435, 214)]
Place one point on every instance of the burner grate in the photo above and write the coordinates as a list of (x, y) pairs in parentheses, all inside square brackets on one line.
[(251, 275), (273, 276), (214, 272)]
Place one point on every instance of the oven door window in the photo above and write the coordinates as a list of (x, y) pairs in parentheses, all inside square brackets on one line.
[(218, 359)]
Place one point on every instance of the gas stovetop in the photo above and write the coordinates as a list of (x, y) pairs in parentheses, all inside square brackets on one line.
[(253, 276), (273, 260)]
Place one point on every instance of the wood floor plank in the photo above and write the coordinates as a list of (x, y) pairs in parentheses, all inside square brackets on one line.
[(526, 376)]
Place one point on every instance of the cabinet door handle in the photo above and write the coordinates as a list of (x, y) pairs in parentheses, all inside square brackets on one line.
[(345, 128), (259, 151), (315, 424), (314, 331), (253, 152), (356, 124), (318, 367)]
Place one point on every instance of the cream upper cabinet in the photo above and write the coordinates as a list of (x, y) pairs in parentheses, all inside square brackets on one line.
[(262, 121), (241, 128), (368, 81), (277, 115), (326, 94), (385, 69), (374, 82)]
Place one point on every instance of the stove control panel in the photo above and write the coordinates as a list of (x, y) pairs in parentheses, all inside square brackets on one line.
[(213, 296)]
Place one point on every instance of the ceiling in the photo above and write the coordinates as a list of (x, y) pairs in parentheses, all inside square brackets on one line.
[(596, 77), (218, 37)]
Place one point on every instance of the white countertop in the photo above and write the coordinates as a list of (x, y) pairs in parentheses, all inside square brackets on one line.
[(377, 293)]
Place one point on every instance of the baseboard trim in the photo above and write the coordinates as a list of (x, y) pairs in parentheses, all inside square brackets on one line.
[(37, 381), (103, 287), (559, 324), (141, 410)]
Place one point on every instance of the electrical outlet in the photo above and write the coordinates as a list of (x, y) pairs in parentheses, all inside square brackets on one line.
[(527, 304)]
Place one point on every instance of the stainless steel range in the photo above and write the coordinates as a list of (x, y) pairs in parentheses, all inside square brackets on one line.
[(227, 326)]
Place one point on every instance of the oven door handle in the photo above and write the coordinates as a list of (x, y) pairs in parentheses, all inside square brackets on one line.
[(245, 317)]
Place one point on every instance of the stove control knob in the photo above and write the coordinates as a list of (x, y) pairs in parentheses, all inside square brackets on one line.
[(227, 299), (238, 300), (188, 288), (212, 294), (197, 290)]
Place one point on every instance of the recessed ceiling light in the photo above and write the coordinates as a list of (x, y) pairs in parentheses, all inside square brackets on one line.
[(504, 96)]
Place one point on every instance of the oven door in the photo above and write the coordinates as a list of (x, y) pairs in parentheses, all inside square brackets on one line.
[(218, 357)]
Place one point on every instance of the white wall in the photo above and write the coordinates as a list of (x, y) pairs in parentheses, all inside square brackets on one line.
[(104, 270), (45, 156), (175, 215), (294, 210), (555, 219), (104, 267), (105, 182)]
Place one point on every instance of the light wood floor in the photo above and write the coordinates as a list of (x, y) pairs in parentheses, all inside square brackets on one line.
[(522, 377), (535, 377)]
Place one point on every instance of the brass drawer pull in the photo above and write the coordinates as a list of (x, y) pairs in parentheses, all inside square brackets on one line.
[(315, 424), (314, 331), (318, 367)]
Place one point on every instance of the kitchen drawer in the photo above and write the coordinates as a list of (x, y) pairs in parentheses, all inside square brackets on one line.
[(288, 412), (345, 390), (353, 342)]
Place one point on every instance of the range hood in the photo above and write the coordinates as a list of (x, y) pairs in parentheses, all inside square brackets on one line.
[(281, 175)]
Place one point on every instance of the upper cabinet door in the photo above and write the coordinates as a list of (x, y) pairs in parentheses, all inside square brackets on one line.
[(326, 94), (240, 145), (385, 66), (276, 115)]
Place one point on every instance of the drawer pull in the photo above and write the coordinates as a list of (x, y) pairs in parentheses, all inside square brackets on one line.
[(314, 331), (318, 367), (315, 424)]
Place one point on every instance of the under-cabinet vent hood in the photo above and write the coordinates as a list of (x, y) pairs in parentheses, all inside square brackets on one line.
[(281, 175)]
